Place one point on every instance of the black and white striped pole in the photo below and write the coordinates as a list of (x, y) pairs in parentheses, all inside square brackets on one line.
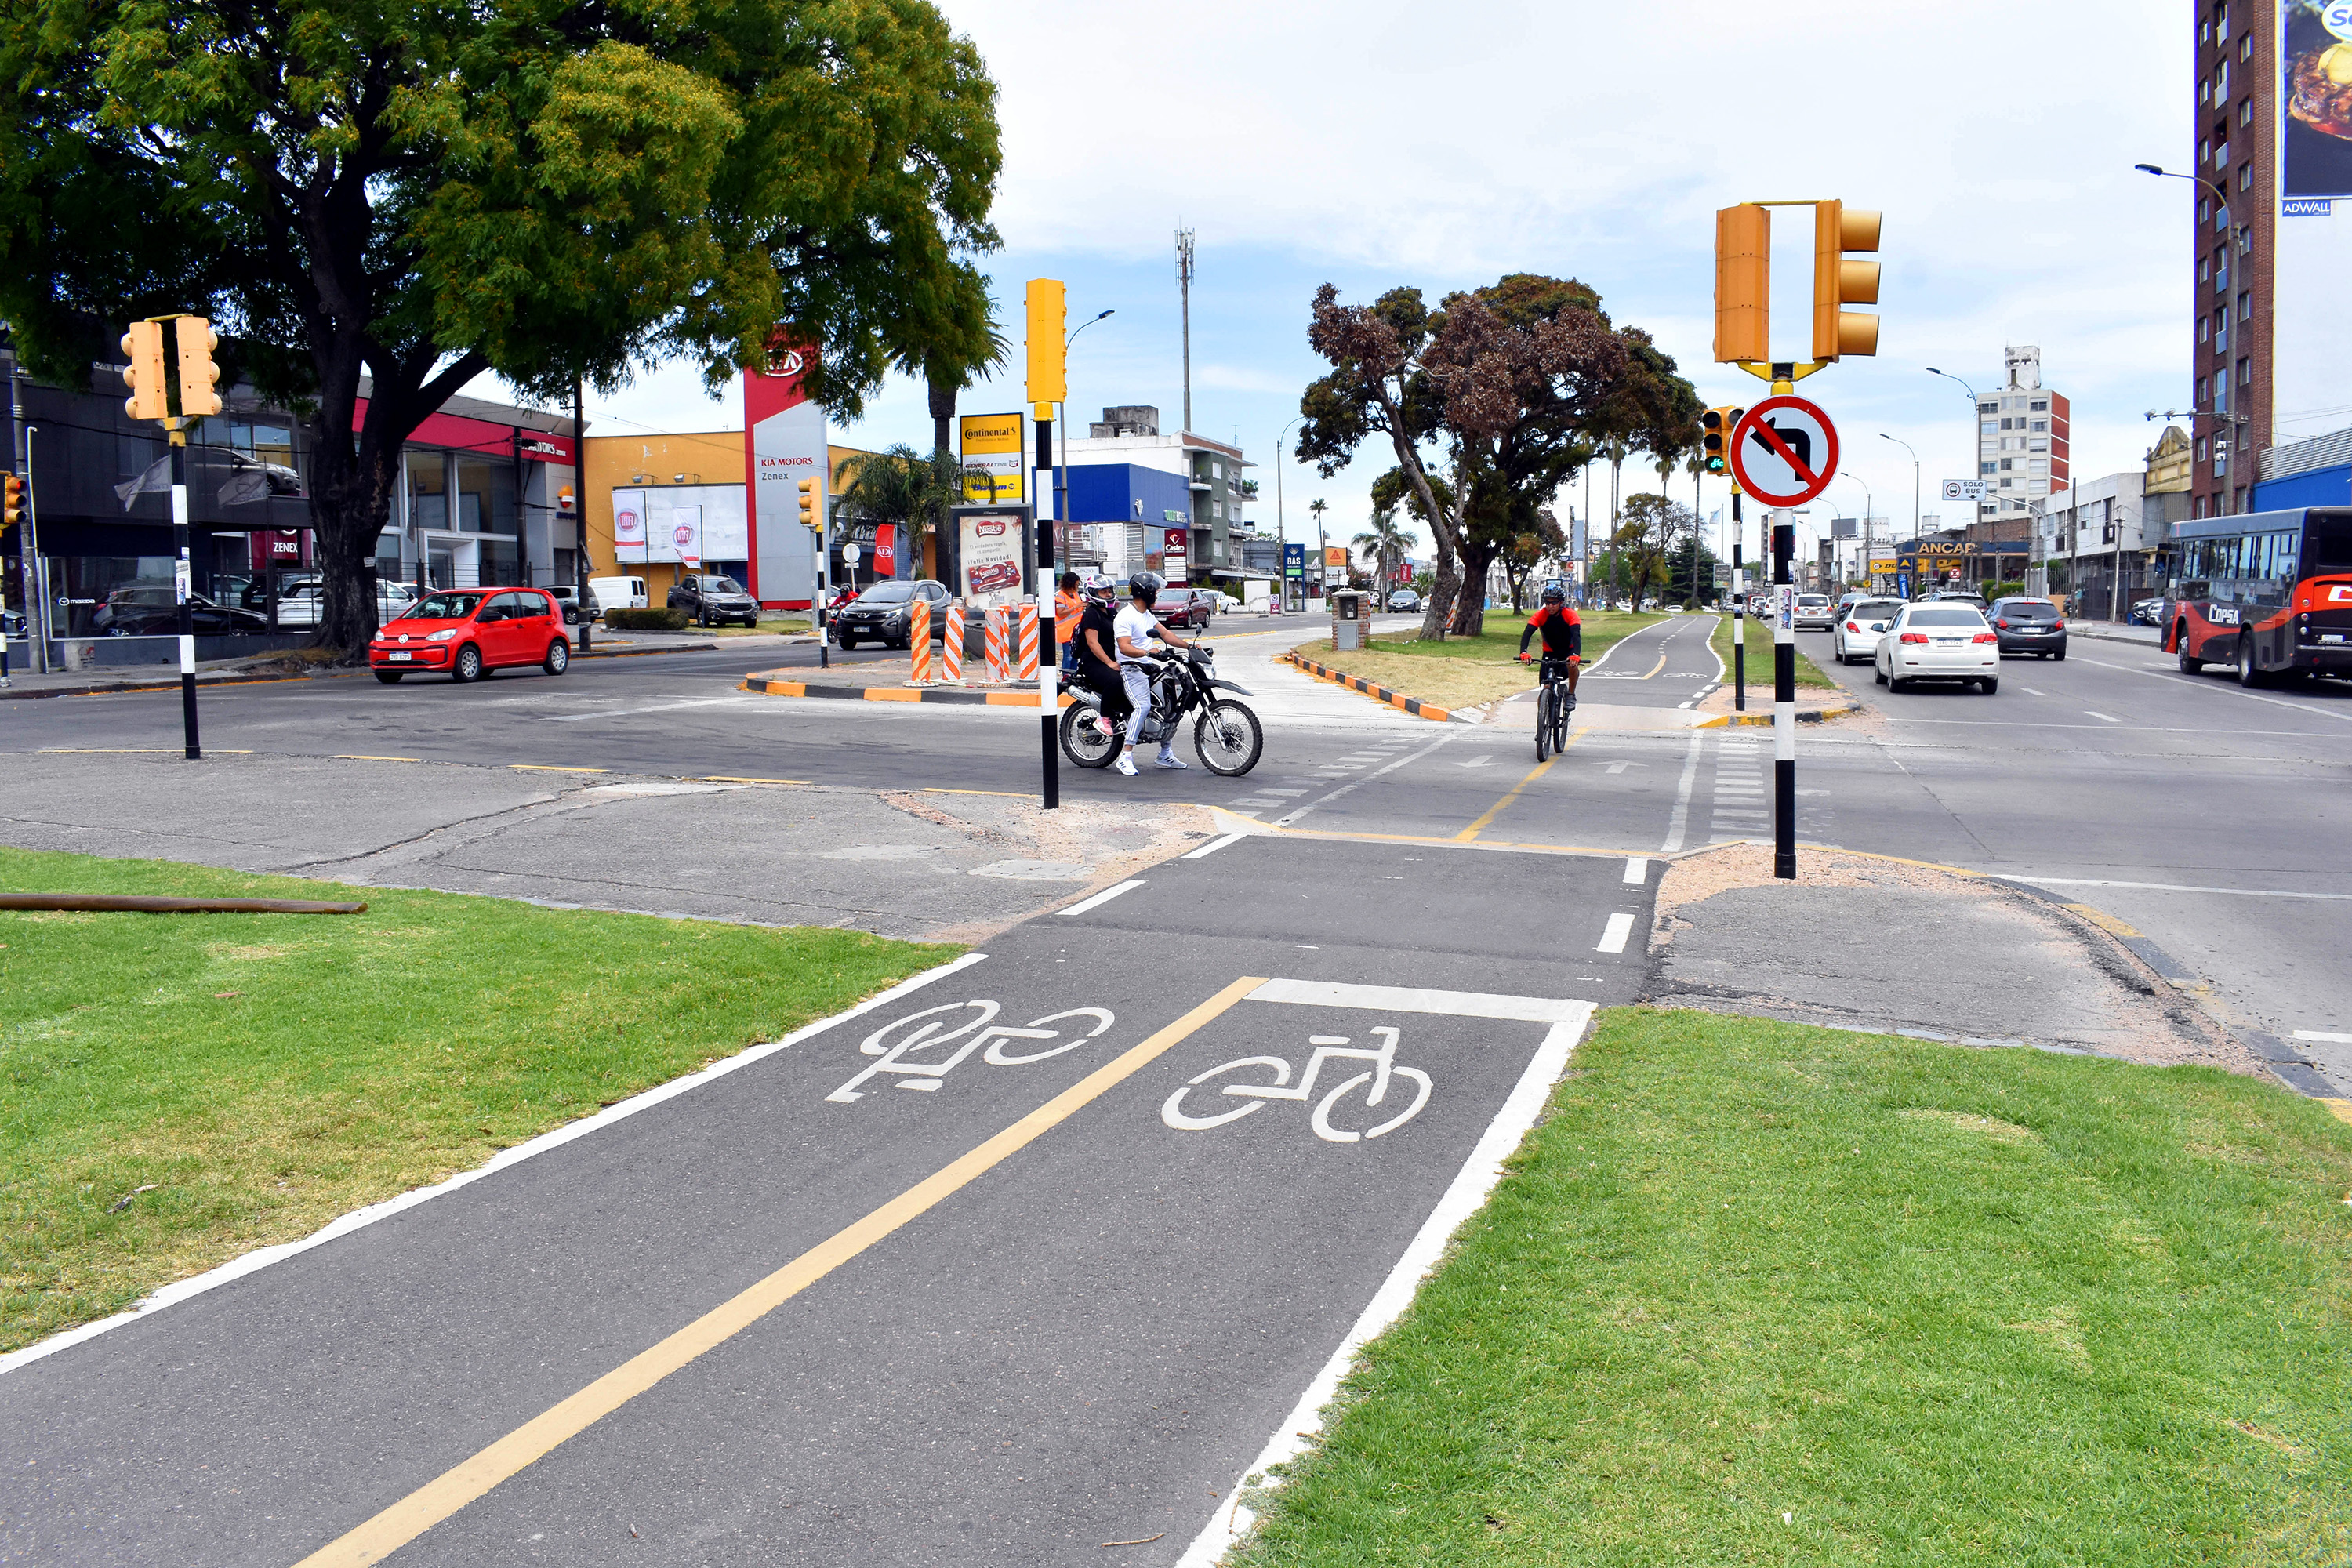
[(1784, 696)]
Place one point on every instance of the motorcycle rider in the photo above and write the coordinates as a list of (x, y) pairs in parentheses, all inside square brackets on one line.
[(1140, 635)]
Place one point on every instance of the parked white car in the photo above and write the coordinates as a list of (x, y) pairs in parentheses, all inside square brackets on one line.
[(1939, 642), (616, 594), (302, 602), (1859, 625)]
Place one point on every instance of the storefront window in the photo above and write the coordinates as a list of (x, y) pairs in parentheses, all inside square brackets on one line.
[(428, 489), (486, 496)]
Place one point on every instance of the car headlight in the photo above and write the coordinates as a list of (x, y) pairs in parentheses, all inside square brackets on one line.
[(444, 635)]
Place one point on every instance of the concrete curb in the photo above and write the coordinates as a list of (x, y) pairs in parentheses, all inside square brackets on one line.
[(771, 686), (1413, 705), (204, 678), (1804, 716)]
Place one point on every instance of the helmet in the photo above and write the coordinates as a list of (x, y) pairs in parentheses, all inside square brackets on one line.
[(1102, 587), (1146, 584), (1554, 594)]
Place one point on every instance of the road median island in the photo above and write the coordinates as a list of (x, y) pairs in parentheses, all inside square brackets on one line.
[(889, 681), (177, 1090), (1448, 676), (1758, 1291)]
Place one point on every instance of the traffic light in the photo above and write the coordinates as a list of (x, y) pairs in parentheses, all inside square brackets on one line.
[(1743, 285), (142, 345), (1840, 281), (199, 376), (809, 504), (1048, 323), (11, 501), (1715, 427)]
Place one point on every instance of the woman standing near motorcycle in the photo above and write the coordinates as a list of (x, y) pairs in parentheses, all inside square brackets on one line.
[(1141, 635)]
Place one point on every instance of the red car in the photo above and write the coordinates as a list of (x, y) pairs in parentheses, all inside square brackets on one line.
[(466, 633)]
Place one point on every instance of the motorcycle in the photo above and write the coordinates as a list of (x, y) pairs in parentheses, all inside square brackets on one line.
[(1225, 733)]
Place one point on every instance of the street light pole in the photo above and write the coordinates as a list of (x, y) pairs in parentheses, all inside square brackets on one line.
[(1914, 485), (1281, 529), (2236, 418), (1868, 506)]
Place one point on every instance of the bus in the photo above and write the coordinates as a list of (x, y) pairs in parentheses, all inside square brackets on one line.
[(2268, 592)]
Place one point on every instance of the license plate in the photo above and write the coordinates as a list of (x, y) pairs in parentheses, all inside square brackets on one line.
[(1948, 642), (397, 657)]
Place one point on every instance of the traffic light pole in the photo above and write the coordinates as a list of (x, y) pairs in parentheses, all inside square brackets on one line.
[(181, 587), (1784, 698), (1049, 651), (1738, 606)]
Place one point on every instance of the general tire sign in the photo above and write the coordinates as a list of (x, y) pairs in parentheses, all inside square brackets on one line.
[(1785, 452)]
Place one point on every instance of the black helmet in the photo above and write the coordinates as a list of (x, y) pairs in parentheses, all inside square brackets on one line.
[(1146, 584), (1554, 594), (1102, 587)]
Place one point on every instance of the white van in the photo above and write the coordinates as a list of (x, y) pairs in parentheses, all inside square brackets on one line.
[(617, 593)]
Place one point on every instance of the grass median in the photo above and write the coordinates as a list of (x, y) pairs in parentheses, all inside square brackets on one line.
[(1756, 1293), (1462, 672), (176, 1089), (1759, 637)]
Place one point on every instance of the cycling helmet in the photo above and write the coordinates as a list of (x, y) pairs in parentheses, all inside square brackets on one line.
[(1554, 594), (1102, 587), (1146, 584)]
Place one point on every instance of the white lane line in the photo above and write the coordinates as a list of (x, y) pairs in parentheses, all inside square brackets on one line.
[(2176, 887), (657, 708), (1106, 896), (1464, 1197), (1612, 938), (1637, 871), (2031, 692), (1269, 789), (1310, 805), (1212, 846), (1679, 824), (262, 1258), (2103, 718), (2323, 1037), (1414, 999), (2119, 729), (2201, 682)]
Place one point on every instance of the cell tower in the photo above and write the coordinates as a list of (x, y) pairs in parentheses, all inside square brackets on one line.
[(1184, 289)]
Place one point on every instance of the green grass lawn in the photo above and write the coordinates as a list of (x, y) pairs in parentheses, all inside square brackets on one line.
[(1458, 672), (241, 1079), (1758, 636), (1756, 1293)]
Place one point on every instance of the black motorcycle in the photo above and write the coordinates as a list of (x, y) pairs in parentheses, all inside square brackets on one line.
[(1225, 733)]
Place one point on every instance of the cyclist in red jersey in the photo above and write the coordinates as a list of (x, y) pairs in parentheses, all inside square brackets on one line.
[(1563, 638)]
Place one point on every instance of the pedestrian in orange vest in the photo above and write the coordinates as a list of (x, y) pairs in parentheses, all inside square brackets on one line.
[(1069, 608)]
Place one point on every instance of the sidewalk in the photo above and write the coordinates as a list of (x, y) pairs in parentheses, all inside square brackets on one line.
[(2108, 631), (164, 675)]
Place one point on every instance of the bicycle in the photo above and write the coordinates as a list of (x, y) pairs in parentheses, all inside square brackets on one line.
[(1327, 1048), (1554, 703)]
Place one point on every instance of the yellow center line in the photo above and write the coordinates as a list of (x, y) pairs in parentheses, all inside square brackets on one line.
[(363, 757), (1496, 810), (435, 1500), (1659, 666), (548, 768)]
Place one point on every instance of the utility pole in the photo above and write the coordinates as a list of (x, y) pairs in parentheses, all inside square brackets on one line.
[(28, 561), (579, 512), (1281, 531), (1184, 294)]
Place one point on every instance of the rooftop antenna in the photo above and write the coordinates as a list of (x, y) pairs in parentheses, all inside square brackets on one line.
[(1184, 288)]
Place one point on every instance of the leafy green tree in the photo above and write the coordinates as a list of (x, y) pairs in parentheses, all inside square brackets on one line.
[(415, 194), (1384, 543), (1651, 532), (908, 490)]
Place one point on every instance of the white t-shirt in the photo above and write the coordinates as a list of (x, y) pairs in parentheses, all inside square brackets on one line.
[(1139, 626)]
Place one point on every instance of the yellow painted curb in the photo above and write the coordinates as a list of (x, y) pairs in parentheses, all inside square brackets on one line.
[(1413, 705)]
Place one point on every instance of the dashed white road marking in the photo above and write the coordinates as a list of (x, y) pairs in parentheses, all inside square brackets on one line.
[(1106, 896), (1612, 938), (1637, 870)]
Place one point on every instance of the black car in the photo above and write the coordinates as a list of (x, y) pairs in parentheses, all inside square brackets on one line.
[(147, 609), (1404, 599), (2028, 626), (710, 601), (885, 612)]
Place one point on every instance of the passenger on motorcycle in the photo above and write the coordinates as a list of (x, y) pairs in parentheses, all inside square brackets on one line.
[(1563, 638), (1095, 648), (1139, 636)]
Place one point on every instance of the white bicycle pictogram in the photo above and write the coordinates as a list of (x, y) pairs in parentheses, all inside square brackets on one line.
[(923, 1047), (1327, 1048)]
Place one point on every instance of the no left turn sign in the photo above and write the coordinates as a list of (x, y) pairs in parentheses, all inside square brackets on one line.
[(1785, 452)]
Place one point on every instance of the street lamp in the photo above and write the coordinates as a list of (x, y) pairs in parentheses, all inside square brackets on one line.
[(1868, 506), (2237, 248), (1062, 473), (1915, 488), (1281, 531)]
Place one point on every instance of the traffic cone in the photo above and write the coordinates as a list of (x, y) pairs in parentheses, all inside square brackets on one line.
[(918, 639), (953, 647)]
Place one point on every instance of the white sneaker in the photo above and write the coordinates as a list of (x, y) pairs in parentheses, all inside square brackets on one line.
[(1125, 764), (1169, 760)]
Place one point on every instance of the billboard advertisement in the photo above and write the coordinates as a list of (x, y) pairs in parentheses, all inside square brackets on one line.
[(1294, 561), (686, 524), (989, 566), (783, 443), (2311, 340), (629, 527), (992, 459)]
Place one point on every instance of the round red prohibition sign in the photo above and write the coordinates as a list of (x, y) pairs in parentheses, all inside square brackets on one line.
[(1785, 452)]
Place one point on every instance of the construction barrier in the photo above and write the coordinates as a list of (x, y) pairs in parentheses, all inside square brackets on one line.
[(954, 647), (991, 643), (1028, 669), (918, 638)]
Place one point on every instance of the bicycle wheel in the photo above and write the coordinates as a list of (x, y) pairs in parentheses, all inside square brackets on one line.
[(1322, 1117), (1227, 738), (1543, 722), (1559, 719), (1171, 1112)]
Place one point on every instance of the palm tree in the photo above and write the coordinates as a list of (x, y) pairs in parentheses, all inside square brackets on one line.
[(901, 486), (951, 352), (1318, 506), (1384, 542)]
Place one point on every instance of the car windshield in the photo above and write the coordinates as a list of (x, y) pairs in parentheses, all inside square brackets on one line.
[(887, 594), (1872, 609), (721, 585), (1945, 615), (2029, 609), (447, 607)]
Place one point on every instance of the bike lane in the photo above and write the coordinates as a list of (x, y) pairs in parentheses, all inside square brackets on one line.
[(975, 1294)]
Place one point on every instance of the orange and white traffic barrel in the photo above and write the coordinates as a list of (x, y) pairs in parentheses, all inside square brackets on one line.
[(918, 638), (953, 647), (1028, 669), (1000, 668)]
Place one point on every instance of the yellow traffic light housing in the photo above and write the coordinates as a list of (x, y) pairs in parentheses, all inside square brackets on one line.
[(1048, 327), (12, 500), (1839, 280), (1716, 427), (199, 376), (1743, 285), (142, 345), (809, 518)]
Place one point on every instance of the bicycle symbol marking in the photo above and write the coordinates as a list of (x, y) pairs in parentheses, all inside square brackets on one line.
[(1382, 1076), (909, 1047)]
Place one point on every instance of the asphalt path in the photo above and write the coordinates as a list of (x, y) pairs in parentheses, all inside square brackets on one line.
[(1668, 665), (1063, 1296)]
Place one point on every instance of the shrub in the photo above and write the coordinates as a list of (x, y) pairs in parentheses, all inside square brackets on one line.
[(646, 620)]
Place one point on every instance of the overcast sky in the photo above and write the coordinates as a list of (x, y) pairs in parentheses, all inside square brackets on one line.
[(1374, 143)]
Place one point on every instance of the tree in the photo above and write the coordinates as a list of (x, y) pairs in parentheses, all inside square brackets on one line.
[(1545, 541), (416, 195), (1652, 529), (911, 490), (964, 343), (1383, 543)]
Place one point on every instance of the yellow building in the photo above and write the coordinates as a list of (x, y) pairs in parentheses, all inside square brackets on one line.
[(2169, 466)]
